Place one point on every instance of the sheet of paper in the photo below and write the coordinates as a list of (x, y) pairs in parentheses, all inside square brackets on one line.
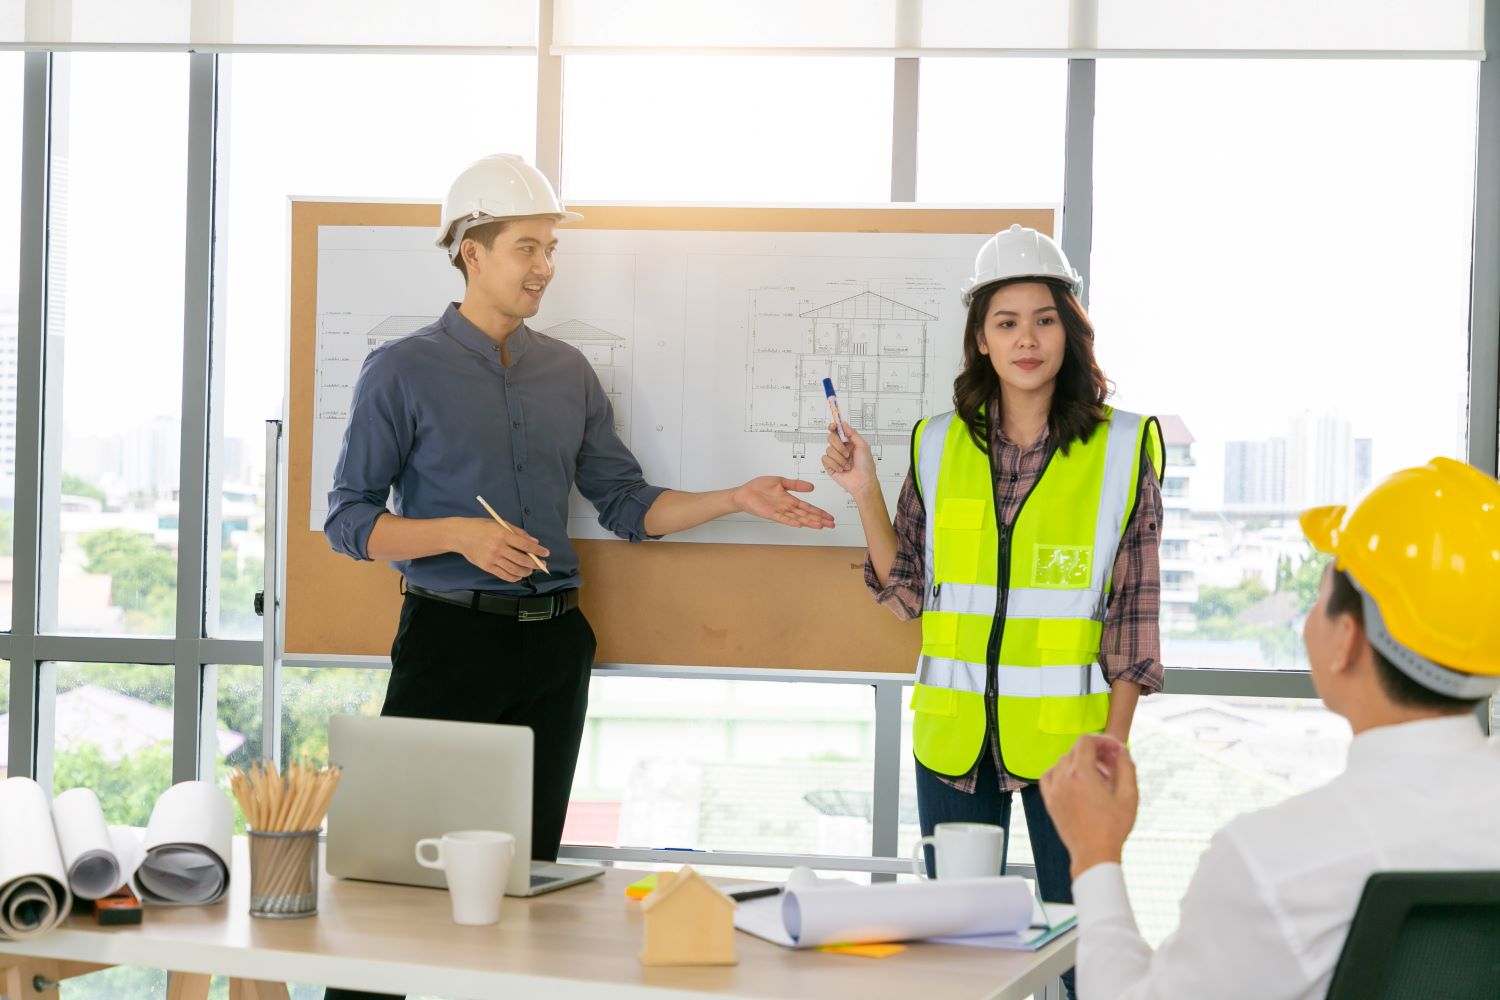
[(186, 846), (711, 346), (903, 911), (1063, 916), (34, 894)]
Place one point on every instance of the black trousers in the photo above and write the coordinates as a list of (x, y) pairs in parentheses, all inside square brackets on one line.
[(451, 663)]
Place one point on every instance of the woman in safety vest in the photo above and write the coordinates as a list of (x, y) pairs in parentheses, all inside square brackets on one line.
[(1026, 538)]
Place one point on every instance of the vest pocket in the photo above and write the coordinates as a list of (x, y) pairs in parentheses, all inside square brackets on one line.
[(934, 700), (957, 535), (1074, 714)]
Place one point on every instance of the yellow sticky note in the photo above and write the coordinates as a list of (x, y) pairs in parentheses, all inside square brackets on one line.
[(865, 950), (641, 888)]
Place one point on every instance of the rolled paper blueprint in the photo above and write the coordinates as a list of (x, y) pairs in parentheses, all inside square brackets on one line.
[(126, 841), (88, 853), (904, 911), (34, 894), (186, 846)]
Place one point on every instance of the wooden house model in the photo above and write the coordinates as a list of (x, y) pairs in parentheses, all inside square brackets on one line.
[(688, 922)]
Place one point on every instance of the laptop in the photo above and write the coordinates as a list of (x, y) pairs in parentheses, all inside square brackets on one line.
[(405, 779)]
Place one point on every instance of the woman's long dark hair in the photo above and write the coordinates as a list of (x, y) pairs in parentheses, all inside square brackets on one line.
[(1078, 395)]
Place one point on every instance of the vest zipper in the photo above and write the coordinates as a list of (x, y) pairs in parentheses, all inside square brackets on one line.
[(997, 628)]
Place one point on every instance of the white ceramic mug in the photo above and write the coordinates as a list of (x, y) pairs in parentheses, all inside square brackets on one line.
[(476, 864), (962, 850)]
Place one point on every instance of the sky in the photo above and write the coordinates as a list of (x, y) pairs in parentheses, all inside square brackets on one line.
[(1268, 236)]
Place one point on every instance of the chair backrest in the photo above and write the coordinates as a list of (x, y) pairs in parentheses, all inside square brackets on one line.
[(1423, 935)]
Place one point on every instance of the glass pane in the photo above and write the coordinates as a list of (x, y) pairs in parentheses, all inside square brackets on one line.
[(4, 719), (1012, 157), (119, 171), (239, 713), (1271, 273), (309, 695), (11, 87), (707, 128), (339, 113), (1200, 762), (114, 735), (725, 765)]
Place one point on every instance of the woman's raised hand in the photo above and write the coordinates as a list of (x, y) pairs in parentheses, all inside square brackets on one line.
[(850, 464)]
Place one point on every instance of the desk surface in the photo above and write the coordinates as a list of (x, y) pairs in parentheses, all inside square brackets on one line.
[(579, 942)]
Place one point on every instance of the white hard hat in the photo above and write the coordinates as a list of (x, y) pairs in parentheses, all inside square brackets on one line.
[(1019, 253), (502, 186)]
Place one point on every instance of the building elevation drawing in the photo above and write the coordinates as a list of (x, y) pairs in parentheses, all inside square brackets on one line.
[(874, 348)]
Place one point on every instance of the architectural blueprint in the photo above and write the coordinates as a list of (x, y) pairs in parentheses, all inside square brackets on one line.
[(711, 346)]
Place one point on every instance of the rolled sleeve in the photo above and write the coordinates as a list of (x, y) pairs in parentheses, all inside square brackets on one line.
[(377, 441), (1130, 647), (608, 475), (902, 592)]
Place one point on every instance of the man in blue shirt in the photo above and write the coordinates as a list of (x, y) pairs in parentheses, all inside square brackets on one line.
[(478, 404)]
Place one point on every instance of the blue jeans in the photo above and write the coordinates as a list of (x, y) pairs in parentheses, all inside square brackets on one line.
[(938, 802)]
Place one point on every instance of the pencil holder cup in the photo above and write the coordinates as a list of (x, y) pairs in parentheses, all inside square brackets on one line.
[(283, 874)]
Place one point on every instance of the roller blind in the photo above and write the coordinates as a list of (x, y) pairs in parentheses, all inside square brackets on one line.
[(1435, 28), (229, 25)]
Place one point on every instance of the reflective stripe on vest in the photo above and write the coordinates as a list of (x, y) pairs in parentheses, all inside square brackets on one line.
[(1049, 686)]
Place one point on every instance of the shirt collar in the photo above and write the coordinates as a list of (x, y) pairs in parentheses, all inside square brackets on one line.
[(1385, 745), (992, 410), (470, 336)]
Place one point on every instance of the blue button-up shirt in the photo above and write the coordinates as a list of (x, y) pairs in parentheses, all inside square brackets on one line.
[(437, 420)]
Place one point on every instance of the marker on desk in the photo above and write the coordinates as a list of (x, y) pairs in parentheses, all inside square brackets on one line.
[(833, 406)]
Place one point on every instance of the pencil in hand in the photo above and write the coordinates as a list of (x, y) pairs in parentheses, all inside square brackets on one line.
[(506, 525)]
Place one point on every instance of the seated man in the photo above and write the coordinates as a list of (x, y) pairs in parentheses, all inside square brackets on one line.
[(1404, 643)]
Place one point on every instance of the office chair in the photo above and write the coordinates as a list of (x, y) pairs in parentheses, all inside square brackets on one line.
[(1423, 935)]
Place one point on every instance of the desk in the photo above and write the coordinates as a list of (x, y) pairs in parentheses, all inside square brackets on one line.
[(580, 942)]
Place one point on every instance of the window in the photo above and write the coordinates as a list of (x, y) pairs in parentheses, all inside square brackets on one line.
[(114, 735), (310, 695), (362, 126), (114, 327), (725, 765), (11, 87), (708, 128), (239, 706), (1201, 761), (1264, 255), (991, 131), (5, 716)]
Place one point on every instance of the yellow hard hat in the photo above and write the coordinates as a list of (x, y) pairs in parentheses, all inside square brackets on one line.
[(1423, 547)]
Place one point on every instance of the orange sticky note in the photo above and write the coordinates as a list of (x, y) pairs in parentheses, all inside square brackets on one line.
[(865, 950)]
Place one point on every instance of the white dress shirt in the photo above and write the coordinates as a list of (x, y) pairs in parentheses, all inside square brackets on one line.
[(1268, 909)]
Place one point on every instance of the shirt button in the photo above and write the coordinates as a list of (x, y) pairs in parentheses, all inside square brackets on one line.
[(507, 383), (520, 467), (515, 423), (526, 511)]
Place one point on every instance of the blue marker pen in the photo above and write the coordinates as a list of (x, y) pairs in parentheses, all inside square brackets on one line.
[(833, 406)]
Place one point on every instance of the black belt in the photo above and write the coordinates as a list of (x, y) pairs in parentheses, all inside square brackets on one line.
[(526, 609)]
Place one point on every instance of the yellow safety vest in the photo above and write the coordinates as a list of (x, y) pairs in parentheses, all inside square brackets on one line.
[(1025, 643)]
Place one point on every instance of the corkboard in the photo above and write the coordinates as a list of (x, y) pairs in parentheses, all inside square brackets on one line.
[(689, 604)]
